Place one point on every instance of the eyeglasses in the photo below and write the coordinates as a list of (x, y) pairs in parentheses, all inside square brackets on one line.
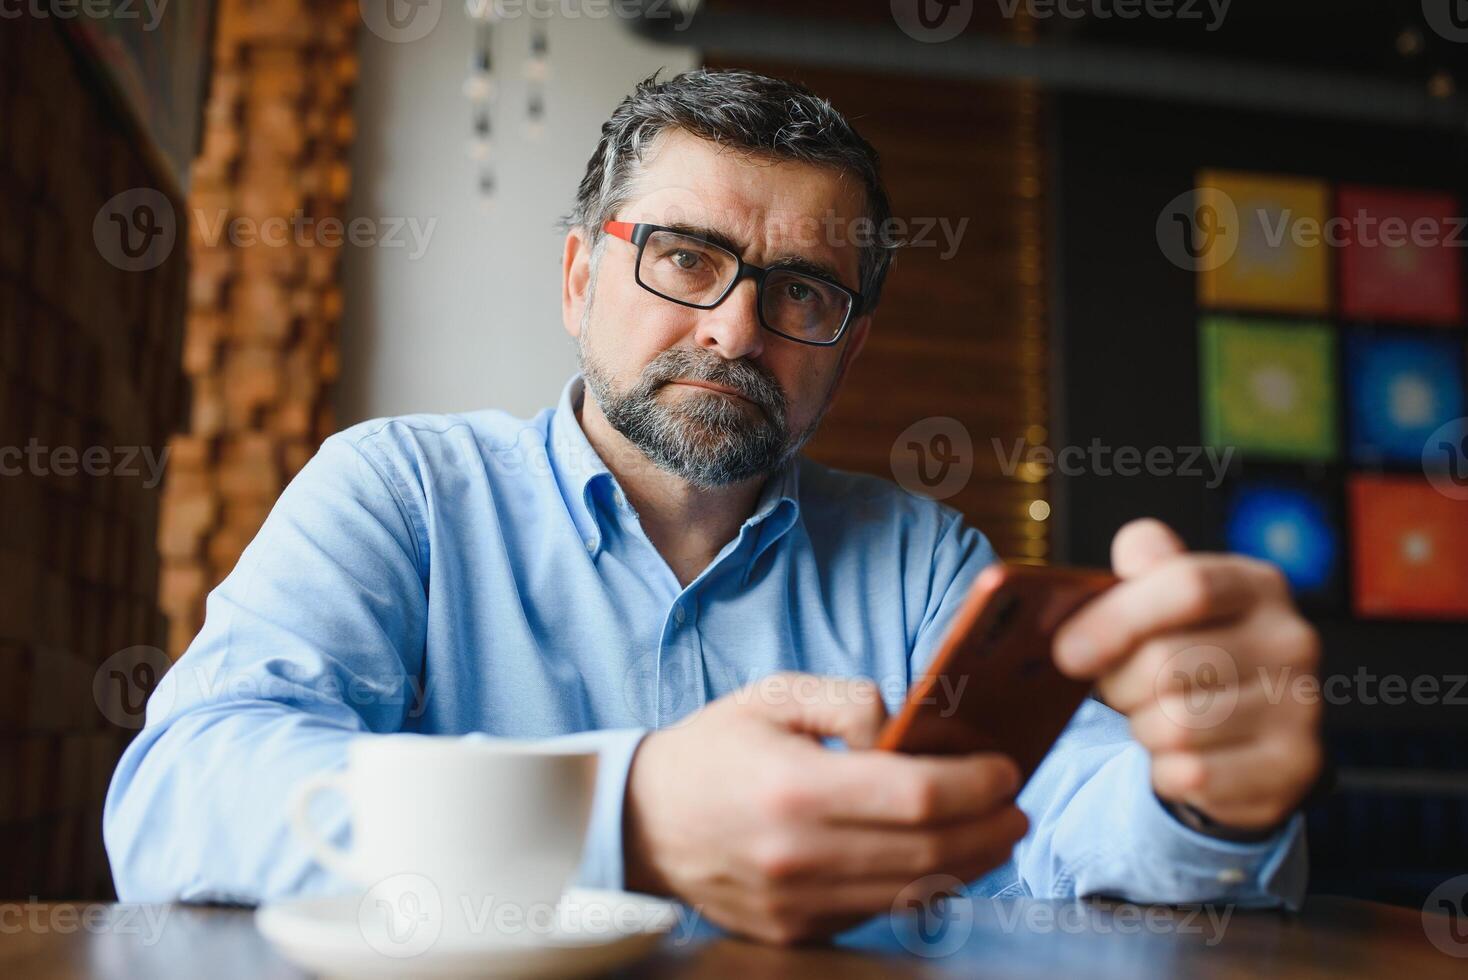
[(693, 271)]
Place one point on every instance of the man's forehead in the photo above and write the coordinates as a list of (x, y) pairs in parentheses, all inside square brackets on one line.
[(754, 200)]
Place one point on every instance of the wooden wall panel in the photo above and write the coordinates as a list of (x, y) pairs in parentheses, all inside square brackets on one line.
[(260, 346)]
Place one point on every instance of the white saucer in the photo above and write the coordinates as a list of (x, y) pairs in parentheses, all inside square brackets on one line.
[(595, 930)]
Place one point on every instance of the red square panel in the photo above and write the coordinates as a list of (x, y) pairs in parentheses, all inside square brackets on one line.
[(1410, 549), (1401, 255)]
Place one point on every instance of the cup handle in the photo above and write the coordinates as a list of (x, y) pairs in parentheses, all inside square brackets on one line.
[(327, 854)]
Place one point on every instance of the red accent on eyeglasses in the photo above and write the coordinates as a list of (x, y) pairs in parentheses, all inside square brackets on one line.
[(619, 229)]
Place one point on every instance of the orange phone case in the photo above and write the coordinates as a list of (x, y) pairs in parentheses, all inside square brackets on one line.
[(992, 686)]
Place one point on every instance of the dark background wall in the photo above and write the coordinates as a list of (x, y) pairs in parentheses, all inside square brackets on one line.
[(1126, 374), (89, 360)]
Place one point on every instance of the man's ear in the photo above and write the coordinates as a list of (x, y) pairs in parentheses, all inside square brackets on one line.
[(575, 280), (855, 341)]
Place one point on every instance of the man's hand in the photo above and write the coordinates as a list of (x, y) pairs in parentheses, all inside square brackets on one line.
[(742, 813), (1201, 652)]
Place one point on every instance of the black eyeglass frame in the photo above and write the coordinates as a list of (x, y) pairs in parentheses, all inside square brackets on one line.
[(639, 233)]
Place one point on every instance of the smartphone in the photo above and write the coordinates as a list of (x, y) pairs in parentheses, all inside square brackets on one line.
[(992, 686)]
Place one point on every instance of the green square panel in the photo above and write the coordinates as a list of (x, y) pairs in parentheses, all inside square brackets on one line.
[(1269, 387)]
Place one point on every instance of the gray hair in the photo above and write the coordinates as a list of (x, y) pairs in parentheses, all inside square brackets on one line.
[(766, 116)]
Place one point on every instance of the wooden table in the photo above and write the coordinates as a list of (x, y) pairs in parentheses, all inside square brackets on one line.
[(1015, 938)]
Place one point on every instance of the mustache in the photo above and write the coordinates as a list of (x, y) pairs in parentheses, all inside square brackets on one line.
[(682, 364)]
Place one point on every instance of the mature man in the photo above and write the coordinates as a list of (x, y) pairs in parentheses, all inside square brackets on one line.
[(651, 568)]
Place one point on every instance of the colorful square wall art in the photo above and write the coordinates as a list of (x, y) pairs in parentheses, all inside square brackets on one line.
[(1269, 387), (1276, 264), (1292, 526), (1401, 260), (1410, 549), (1401, 388)]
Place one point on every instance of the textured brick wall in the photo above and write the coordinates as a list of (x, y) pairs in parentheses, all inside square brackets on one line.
[(263, 305), (89, 375)]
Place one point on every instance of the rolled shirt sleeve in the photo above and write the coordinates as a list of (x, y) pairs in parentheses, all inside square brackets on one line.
[(314, 639)]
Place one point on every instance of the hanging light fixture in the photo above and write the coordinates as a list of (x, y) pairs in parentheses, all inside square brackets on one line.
[(481, 86), (481, 91), (537, 73)]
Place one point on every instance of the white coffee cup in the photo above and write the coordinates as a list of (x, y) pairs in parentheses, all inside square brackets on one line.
[(452, 826)]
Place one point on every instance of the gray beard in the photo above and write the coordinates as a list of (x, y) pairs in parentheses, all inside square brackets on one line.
[(708, 439)]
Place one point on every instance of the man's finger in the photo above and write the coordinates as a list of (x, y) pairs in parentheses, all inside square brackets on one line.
[(1189, 662), (843, 852), (1195, 720), (1143, 544), (1250, 786), (1183, 592), (894, 789)]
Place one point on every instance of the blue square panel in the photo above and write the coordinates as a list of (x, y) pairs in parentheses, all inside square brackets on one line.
[(1402, 386), (1290, 526)]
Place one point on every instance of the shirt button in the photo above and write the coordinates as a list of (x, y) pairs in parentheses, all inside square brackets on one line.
[(678, 613), (591, 544), (1231, 876), (620, 499)]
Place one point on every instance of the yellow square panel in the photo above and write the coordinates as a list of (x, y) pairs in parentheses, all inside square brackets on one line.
[(1268, 243)]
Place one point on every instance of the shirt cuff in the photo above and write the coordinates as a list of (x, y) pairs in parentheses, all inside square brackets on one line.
[(1170, 862), (601, 857)]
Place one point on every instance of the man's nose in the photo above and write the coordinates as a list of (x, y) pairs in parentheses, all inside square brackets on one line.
[(732, 329)]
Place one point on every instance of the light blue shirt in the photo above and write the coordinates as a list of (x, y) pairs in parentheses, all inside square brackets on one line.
[(478, 573)]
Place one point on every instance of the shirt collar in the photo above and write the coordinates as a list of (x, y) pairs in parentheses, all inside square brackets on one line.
[(577, 466), (579, 470)]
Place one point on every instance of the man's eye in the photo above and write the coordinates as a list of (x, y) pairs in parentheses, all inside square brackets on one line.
[(800, 292), (686, 260)]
